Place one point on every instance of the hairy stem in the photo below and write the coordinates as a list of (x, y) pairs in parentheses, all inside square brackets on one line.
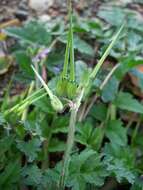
[(70, 140)]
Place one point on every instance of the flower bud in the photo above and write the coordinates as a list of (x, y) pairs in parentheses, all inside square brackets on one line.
[(56, 104)]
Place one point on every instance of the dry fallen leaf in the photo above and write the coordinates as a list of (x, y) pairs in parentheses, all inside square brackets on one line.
[(134, 79), (13, 22), (5, 63), (2, 36), (135, 82)]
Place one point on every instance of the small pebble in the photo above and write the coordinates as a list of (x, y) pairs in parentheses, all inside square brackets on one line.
[(45, 18), (40, 5)]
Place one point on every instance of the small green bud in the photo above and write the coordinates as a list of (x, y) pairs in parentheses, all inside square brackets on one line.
[(61, 88), (71, 89), (56, 104)]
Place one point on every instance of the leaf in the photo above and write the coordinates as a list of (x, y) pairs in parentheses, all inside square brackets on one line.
[(82, 46), (116, 133), (56, 145), (30, 148), (120, 162), (51, 177), (99, 111), (24, 61), (89, 136), (5, 144), (33, 127), (32, 175), (82, 72), (77, 183), (78, 160), (134, 42), (126, 64), (86, 168), (10, 175), (118, 167), (139, 76), (54, 61), (92, 26), (95, 26), (84, 133), (2, 120), (97, 138), (32, 32), (44, 105), (138, 184), (113, 15), (110, 90), (136, 187), (60, 125), (126, 101)]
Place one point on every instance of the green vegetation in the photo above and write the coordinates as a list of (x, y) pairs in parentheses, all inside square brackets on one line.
[(81, 130)]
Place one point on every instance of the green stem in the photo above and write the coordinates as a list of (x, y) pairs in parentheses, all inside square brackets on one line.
[(70, 141)]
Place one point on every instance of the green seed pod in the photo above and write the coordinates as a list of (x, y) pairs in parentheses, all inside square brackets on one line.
[(61, 88), (56, 104), (71, 89)]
